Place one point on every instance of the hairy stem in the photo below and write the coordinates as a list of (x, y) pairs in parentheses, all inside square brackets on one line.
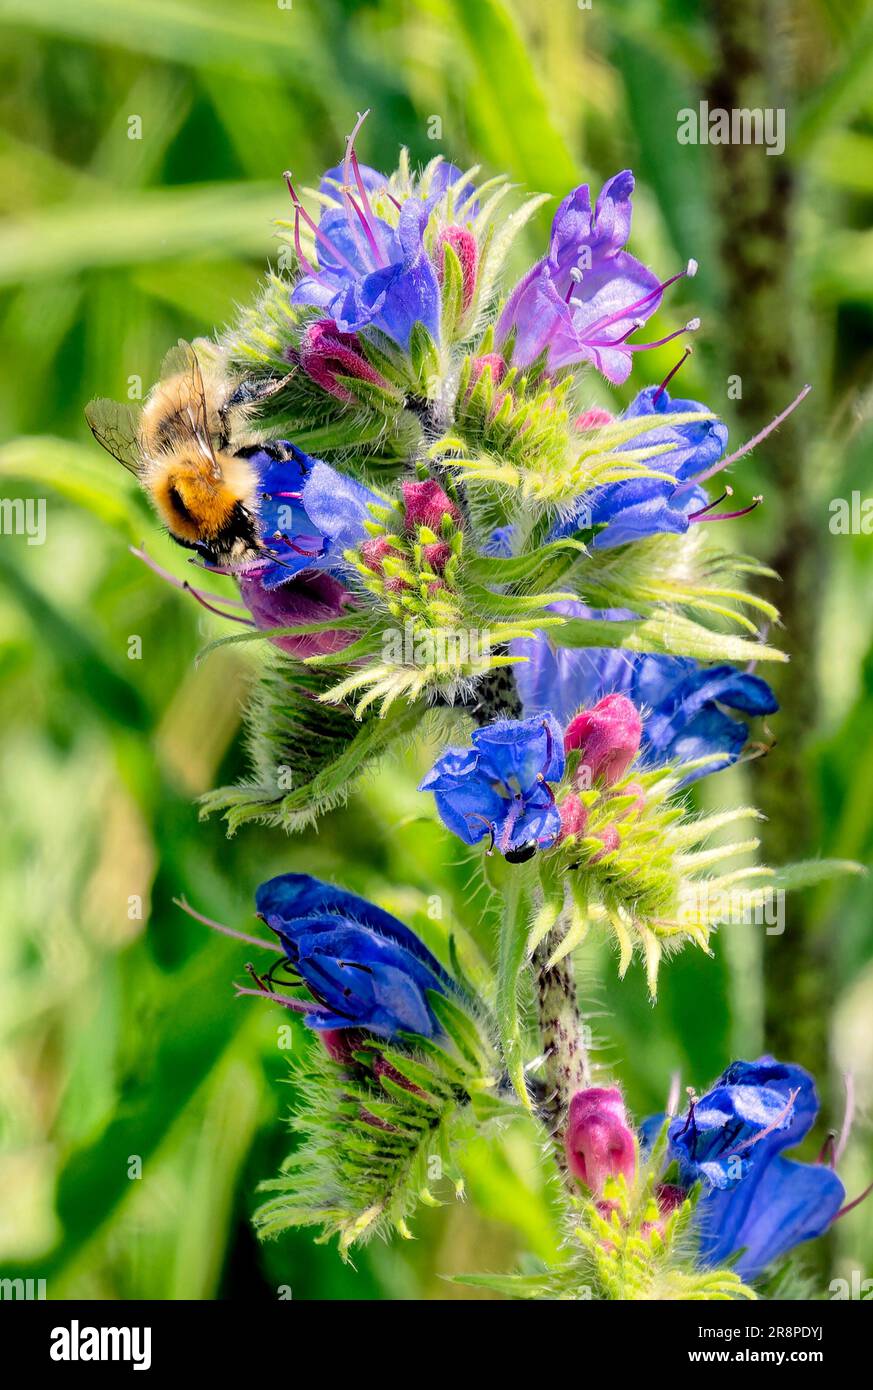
[(567, 1067)]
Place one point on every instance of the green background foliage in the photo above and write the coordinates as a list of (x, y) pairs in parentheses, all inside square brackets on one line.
[(120, 1038)]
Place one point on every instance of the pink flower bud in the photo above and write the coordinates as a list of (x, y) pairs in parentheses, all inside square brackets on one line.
[(574, 817), (608, 736), (374, 551), (463, 243), (488, 359), (426, 504), (437, 555), (593, 419), (599, 1142), (326, 353), (610, 839), (636, 790)]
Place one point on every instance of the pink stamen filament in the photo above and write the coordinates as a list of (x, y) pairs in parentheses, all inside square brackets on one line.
[(690, 327), (316, 230), (211, 608), (670, 375), (302, 259), (850, 1206), (371, 240), (639, 304), (300, 1006), (750, 444), (220, 927), (346, 195), (183, 583)]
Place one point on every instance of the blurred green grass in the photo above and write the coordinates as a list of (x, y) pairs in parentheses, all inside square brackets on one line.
[(120, 1036)]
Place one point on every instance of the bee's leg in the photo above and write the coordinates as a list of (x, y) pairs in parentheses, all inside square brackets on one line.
[(248, 393)]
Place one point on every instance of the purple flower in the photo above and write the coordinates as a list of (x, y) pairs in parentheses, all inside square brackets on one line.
[(733, 1140), (687, 709), (309, 513), (364, 968), (588, 295), (371, 273), (500, 786), (310, 597)]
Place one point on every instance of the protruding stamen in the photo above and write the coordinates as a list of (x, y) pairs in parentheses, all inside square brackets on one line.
[(698, 517), (371, 240), (300, 1006), (350, 174), (212, 608), (670, 375), (728, 492), (640, 303), (220, 927), (691, 327), (850, 1206), (314, 227), (750, 444)]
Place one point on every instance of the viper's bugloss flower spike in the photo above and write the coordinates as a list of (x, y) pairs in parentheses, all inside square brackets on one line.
[(732, 1140), (688, 710), (586, 297), (599, 1143), (607, 736), (501, 786), (363, 967)]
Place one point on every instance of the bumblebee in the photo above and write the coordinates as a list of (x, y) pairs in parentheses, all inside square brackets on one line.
[(179, 446)]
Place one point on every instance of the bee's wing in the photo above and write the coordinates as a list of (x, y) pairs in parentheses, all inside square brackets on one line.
[(116, 427), (181, 361)]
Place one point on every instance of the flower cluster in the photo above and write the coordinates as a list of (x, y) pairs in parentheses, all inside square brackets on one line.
[(400, 468)]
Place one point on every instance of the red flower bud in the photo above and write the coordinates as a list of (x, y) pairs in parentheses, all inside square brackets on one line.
[(488, 359), (326, 353), (610, 839), (437, 555), (426, 504), (574, 817), (608, 736), (463, 243), (599, 1143)]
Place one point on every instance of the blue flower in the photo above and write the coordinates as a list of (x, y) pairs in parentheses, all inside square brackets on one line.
[(500, 786), (641, 507), (363, 967), (733, 1140), (373, 272), (308, 513), (684, 705), (587, 295)]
